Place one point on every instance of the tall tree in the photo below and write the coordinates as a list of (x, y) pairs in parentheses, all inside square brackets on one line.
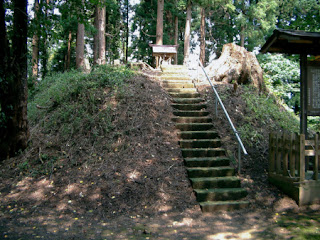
[(202, 36), (187, 33), (80, 46), (35, 41), (99, 51), (14, 130), (80, 38), (159, 39)]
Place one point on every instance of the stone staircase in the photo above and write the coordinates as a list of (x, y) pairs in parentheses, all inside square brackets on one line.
[(212, 178)]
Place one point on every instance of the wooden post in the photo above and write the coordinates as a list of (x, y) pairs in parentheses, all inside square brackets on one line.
[(292, 155), (285, 154), (271, 152), (316, 157), (303, 94), (278, 153), (302, 158)]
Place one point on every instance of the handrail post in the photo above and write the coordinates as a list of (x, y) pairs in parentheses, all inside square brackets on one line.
[(216, 106), (239, 159)]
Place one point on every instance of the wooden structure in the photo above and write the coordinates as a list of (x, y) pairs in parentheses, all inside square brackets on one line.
[(294, 166), (164, 53), (302, 43), (290, 168)]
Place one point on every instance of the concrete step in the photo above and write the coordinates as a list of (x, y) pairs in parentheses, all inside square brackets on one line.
[(215, 182), (223, 171), (175, 77), (181, 90), (202, 152), (177, 81), (196, 106), (174, 68), (187, 100), (177, 85), (192, 119), (198, 135), (191, 113), (194, 126), (220, 194), (207, 162), (200, 143), (184, 95), (212, 206)]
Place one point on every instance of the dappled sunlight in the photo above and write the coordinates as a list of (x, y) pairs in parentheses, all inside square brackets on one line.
[(231, 236)]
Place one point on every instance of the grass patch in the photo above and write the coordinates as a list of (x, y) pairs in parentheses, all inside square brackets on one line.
[(300, 226), (70, 113)]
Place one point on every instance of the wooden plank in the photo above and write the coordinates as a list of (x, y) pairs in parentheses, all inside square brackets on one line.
[(316, 158), (285, 154), (292, 156), (278, 153), (271, 152), (302, 158)]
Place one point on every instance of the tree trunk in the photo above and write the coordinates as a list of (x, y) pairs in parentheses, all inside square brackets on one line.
[(187, 34), (176, 36), (242, 37), (99, 46), (68, 56), (96, 36), (80, 46), (35, 42), (102, 35), (202, 37), (159, 38), (14, 130), (127, 28), (236, 64)]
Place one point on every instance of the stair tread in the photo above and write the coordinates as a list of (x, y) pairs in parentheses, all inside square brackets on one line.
[(220, 190), (205, 158), (209, 168), (202, 149), (200, 140), (200, 179)]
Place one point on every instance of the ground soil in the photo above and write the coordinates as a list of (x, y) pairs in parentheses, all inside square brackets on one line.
[(137, 187)]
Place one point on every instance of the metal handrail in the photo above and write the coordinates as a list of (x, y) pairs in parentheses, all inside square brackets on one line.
[(218, 100)]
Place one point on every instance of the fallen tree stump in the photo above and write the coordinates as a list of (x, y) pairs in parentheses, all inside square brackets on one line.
[(236, 65)]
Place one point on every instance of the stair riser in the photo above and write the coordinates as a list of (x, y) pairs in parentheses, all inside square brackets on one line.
[(207, 163), (224, 207), (216, 184), (181, 90), (184, 95), (192, 120), (200, 144), (178, 85), (191, 113), (193, 127), (197, 135), (187, 100), (189, 107), (210, 173), (202, 153), (202, 197)]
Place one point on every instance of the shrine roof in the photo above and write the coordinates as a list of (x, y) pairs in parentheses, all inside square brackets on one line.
[(293, 42)]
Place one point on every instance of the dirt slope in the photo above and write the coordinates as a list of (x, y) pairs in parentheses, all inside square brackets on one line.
[(136, 188)]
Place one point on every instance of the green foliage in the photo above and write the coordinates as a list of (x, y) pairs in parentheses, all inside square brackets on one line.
[(264, 109), (73, 99), (282, 76)]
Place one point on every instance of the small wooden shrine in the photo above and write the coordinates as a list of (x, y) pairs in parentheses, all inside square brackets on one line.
[(164, 53), (294, 160)]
